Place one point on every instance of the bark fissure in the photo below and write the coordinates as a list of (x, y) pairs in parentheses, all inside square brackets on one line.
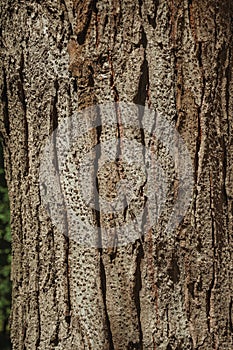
[(53, 109), (136, 291), (98, 225), (55, 340), (167, 319), (81, 36), (95, 175), (152, 20), (143, 85), (230, 315)]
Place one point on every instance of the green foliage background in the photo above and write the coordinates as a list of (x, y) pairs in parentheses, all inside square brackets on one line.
[(5, 250)]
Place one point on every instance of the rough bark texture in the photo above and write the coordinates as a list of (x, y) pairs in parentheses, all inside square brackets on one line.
[(159, 292)]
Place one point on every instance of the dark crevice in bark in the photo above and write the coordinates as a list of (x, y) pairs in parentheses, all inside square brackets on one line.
[(113, 255), (137, 287), (230, 316), (140, 3), (143, 39), (174, 271), (5, 104), (103, 288), (143, 86), (95, 176), (105, 23), (98, 225), (75, 85), (152, 20), (55, 339), (140, 99), (198, 146), (81, 36), (119, 144), (53, 109), (126, 208), (191, 289), (91, 82), (199, 245), (167, 319)]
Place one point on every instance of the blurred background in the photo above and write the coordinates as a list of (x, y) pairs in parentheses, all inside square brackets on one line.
[(5, 259)]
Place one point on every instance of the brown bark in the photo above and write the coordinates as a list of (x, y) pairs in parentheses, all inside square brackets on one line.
[(160, 291)]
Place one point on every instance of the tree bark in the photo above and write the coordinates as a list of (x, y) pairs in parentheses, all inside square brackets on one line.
[(159, 291)]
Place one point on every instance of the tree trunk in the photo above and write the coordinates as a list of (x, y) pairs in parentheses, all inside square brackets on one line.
[(69, 70)]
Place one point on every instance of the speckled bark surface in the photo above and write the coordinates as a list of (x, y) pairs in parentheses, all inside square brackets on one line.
[(160, 292)]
